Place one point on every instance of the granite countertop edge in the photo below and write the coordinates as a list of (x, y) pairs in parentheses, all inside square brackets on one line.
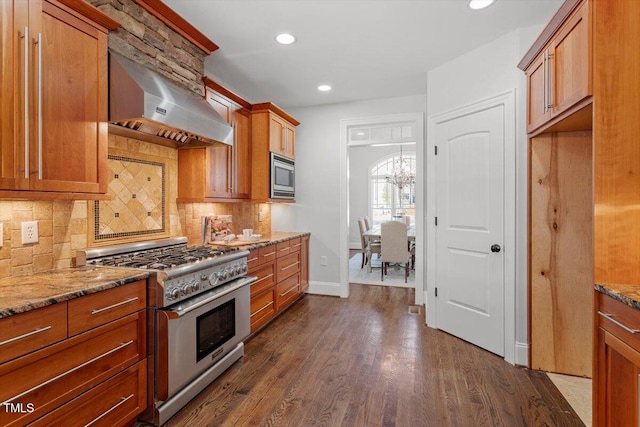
[(626, 294), (274, 238), (78, 282)]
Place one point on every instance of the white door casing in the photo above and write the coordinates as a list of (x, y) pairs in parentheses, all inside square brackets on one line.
[(475, 208)]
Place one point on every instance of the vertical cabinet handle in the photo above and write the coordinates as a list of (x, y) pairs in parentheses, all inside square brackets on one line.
[(545, 82), (26, 101), (39, 42), (550, 89)]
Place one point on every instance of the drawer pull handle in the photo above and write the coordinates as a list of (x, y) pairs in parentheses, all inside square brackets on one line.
[(263, 278), (290, 290), (297, 245), (289, 266), (270, 303), (252, 259), (127, 301), (122, 400), (70, 371), (28, 334), (269, 254), (623, 326)]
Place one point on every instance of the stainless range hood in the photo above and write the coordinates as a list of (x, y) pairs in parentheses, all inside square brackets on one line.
[(149, 107)]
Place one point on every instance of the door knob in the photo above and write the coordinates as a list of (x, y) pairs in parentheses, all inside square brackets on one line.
[(495, 248)]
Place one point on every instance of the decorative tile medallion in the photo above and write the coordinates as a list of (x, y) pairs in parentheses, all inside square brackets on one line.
[(139, 196)]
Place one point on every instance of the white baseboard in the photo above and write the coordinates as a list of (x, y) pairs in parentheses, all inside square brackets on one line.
[(325, 288), (522, 354)]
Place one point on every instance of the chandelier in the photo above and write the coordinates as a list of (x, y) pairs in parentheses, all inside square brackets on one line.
[(401, 176)]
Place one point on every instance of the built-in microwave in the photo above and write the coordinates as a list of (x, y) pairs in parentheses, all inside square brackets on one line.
[(282, 177)]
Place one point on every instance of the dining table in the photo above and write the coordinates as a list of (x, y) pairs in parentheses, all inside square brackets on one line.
[(374, 233)]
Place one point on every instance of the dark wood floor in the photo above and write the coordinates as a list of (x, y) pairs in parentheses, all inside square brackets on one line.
[(365, 361)]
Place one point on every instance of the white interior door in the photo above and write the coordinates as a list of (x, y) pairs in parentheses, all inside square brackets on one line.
[(470, 192)]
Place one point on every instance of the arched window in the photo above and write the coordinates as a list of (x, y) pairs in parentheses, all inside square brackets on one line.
[(386, 199)]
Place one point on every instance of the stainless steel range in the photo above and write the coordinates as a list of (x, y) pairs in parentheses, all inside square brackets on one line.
[(201, 317)]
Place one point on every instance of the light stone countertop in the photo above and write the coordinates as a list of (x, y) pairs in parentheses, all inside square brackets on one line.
[(24, 293), (274, 237)]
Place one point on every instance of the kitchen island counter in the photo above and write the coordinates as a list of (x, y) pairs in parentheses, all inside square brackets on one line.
[(24, 293), (626, 294)]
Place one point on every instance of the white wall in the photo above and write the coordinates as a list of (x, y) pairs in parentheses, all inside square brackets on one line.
[(317, 207), (481, 74)]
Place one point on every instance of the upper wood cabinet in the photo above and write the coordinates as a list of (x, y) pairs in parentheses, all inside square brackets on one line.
[(559, 74), (219, 172), (272, 130), (53, 98)]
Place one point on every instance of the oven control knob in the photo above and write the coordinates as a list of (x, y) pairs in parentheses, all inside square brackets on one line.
[(204, 277), (213, 279), (195, 285), (174, 293), (223, 274), (186, 289), (244, 268)]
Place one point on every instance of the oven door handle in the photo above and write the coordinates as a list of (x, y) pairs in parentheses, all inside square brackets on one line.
[(185, 309)]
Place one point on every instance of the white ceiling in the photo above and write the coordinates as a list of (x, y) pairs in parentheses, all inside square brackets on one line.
[(364, 49)]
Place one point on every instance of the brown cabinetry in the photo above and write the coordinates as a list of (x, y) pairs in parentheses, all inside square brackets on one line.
[(272, 130), (219, 173), (559, 78), (279, 270), (60, 377), (53, 103), (617, 377)]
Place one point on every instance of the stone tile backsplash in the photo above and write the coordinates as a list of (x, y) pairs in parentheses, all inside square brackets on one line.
[(67, 225)]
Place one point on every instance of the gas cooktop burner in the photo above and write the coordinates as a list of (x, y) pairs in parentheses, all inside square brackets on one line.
[(162, 258)]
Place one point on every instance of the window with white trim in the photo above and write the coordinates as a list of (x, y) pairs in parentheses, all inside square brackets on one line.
[(386, 200)]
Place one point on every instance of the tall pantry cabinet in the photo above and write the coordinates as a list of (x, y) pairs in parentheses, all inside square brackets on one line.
[(577, 215), (53, 96)]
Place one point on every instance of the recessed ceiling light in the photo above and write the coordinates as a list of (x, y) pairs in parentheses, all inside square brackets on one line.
[(285, 38), (324, 88), (480, 4)]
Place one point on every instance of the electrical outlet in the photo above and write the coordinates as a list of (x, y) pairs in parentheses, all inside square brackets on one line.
[(29, 232), (323, 260)]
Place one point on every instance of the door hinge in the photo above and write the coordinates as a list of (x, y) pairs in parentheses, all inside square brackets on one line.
[(436, 291), (436, 150), (436, 221)]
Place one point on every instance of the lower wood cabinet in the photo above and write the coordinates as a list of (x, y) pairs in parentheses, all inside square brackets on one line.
[(617, 375), (75, 370), (282, 272), (117, 401)]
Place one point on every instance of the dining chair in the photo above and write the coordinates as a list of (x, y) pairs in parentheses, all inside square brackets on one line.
[(372, 247), (367, 223), (393, 239), (367, 226)]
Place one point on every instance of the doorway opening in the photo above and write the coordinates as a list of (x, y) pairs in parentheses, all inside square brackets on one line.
[(370, 148)]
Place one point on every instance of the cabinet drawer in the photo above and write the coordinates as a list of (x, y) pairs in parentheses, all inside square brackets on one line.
[(283, 248), (115, 402), (287, 291), (253, 259), (287, 265), (266, 275), (54, 375), (612, 314), (295, 244), (30, 331), (97, 309), (267, 253), (262, 308)]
